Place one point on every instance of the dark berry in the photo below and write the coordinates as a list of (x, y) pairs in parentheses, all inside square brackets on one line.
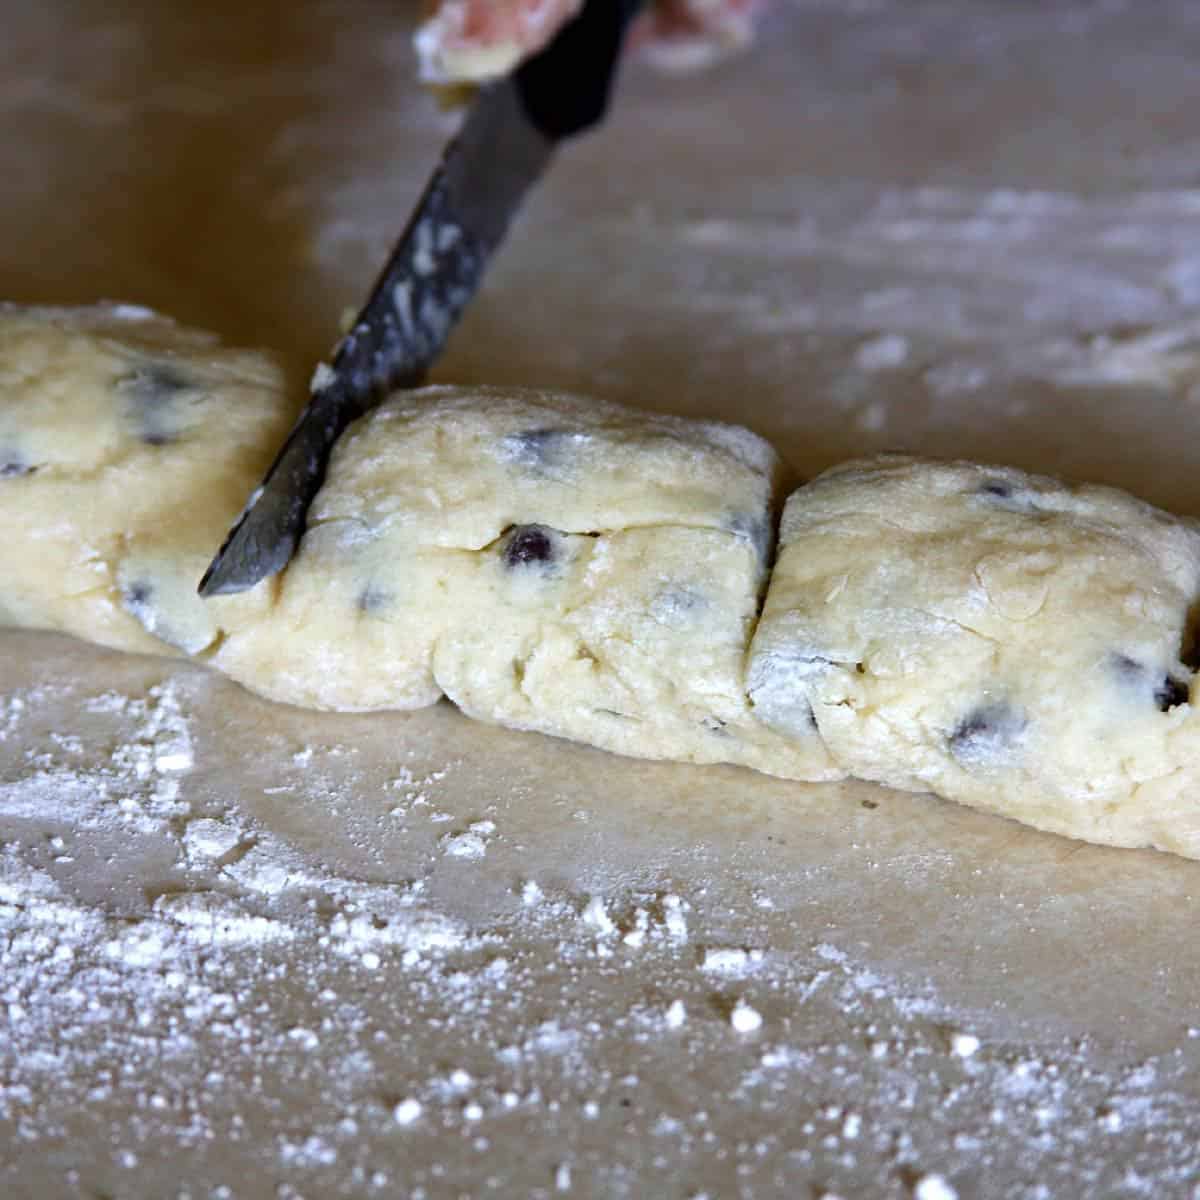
[(987, 732), (529, 545), (138, 595), (1170, 693), (11, 466), (373, 599), (1001, 494), (151, 390)]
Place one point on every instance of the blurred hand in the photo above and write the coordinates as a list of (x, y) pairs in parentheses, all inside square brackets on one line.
[(470, 41)]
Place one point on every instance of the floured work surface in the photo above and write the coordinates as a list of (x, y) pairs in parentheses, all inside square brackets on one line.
[(278, 953)]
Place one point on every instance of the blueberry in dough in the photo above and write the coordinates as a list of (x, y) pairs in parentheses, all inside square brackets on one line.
[(373, 599), (1170, 693), (987, 733), (139, 594), (1167, 691), (1000, 493), (11, 465), (997, 488), (152, 390), (137, 599), (529, 546), (1128, 669), (155, 384)]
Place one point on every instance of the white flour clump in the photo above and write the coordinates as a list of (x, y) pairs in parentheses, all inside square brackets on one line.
[(964, 1044), (137, 788), (744, 1018), (934, 1187)]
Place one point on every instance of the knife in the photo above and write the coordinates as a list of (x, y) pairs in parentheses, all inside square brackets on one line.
[(506, 141)]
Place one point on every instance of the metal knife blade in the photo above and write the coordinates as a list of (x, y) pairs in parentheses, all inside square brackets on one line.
[(504, 145)]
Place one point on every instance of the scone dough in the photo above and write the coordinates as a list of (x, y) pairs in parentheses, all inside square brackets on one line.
[(999, 638), (559, 564)]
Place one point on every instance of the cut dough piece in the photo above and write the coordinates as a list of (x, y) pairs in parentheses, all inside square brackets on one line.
[(633, 640), (1002, 639), (127, 447), (548, 562)]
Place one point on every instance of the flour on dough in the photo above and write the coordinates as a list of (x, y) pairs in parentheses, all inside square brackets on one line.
[(1002, 639)]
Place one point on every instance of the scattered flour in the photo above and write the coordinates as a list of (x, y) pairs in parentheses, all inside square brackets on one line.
[(471, 843), (882, 353), (137, 789), (397, 1020), (676, 1015)]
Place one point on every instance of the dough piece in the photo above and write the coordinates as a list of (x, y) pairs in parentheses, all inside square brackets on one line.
[(127, 447), (1002, 639), (546, 561)]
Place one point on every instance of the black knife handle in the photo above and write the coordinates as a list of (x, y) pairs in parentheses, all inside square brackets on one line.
[(565, 87)]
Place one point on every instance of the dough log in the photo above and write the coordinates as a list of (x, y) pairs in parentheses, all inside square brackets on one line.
[(593, 572)]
